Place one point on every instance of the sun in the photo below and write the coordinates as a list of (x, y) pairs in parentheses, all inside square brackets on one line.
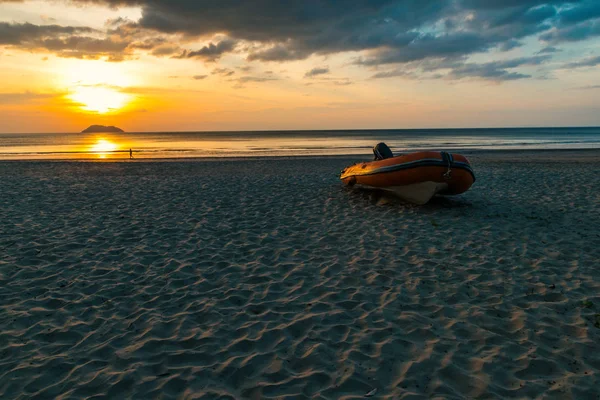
[(96, 86), (99, 99)]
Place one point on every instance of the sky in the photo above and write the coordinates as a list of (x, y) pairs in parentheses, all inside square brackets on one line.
[(194, 65)]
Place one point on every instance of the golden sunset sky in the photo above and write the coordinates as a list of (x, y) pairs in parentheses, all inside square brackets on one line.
[(183, 65)]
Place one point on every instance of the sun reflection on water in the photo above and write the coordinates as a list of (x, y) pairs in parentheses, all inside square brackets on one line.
[(102, 147)]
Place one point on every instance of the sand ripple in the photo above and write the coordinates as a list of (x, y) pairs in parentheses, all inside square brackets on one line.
[(266, 279)]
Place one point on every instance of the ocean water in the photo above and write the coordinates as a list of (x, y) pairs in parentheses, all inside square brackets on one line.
[(167, 145)]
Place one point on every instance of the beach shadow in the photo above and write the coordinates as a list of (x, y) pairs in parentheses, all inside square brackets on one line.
[(381, 197), (377, 197), (448, 202)]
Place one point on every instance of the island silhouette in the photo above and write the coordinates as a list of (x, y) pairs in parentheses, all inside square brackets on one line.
[(102, 129)]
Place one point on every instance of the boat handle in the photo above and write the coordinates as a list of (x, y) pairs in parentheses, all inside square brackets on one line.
[(448, 174)]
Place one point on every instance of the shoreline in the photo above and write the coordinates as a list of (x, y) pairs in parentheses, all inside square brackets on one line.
[(508, 154)]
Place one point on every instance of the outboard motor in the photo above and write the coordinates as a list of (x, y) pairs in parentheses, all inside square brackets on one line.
[(382, 151)]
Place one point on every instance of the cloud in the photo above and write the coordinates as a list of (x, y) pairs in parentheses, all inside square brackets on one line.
[(246, 79), (383, 32), (587, 62), (509, 45), (499, 4), (343, 82), (328, 80), (84, 47), (497, 71), (580, 12), (589, 87), (46, 18), (429, 46), (72, 41), (316, 71), (164, 51), (28, 35), (549, 50), (223, 71), (199, 77), (25, 97), (574, 33), (149, 43), (212, 51), (120, 42), (116, 22), (486, 72), (393, 31), (392, 74), (278, 53), (575, 21), (243, 80)]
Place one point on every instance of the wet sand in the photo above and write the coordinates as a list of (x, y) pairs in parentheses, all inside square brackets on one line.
[(266, 278)]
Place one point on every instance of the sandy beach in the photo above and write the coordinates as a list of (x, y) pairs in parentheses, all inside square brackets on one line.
[(267, 279)]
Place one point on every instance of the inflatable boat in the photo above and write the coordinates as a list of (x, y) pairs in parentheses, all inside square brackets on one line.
[(414, 177)]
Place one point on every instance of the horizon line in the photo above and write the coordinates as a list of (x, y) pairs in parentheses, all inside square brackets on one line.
[(318, 130)]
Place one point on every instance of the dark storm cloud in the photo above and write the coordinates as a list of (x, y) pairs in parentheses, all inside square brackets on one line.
[(296, 31), (581, 12), (575, 22), (384, 31), (292, 30)]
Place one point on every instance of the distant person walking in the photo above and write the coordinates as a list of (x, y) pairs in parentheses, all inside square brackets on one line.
[(130, 154)]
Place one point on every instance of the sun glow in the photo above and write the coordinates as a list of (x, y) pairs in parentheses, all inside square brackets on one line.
[(99, 99), (102, 147)]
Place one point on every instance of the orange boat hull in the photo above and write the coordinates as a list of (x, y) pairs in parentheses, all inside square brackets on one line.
[(453, 170)]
